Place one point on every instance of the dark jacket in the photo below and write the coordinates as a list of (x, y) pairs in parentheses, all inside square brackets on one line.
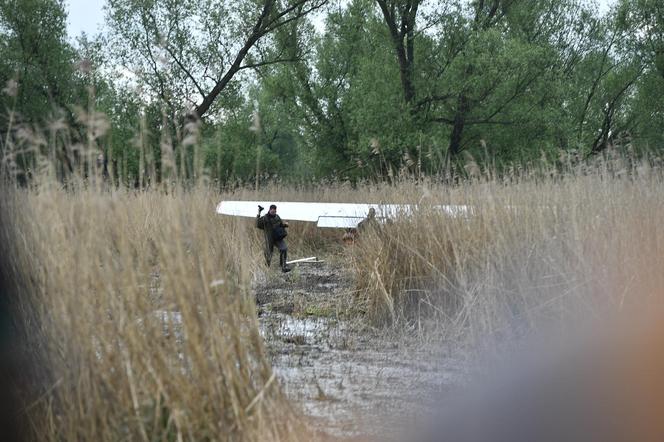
[(268, 223), (367, 223)]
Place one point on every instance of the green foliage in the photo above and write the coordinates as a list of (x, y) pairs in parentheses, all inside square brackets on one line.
[(36, 57), (385, 87)]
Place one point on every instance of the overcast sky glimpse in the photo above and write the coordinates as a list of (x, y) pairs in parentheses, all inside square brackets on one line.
[(88, 15)]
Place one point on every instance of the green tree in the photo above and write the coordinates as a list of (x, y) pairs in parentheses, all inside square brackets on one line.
[(36, 58), (188, 52), (41, 85)]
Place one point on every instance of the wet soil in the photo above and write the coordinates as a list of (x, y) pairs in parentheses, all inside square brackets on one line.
[(349, 377)]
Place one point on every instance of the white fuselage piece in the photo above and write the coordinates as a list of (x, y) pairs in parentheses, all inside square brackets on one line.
[(333, 215)]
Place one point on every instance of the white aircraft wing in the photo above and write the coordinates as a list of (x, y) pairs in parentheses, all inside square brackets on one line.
[(340, 222), (334, 215)]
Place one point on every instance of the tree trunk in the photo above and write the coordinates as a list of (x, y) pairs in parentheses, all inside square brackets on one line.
[(402, 35), (454, 147), (458, 125)]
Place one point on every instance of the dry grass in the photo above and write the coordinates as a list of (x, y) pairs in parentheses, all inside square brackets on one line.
[(149, 325), (141, 316), (535, 252), (539, 249), (143, 304)]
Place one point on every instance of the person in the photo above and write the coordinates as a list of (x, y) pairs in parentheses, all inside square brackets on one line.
[(274, 230), (353, 233), (370, 220)]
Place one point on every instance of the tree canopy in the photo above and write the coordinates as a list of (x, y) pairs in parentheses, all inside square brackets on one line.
[(310, 89)]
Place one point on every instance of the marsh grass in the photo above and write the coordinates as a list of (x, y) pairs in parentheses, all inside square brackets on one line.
[(534, 252), (149, 325), (137, 302), (547, 245)]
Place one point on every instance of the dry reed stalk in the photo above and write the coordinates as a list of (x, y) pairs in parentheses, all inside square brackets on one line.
[(535, 251), (150, 327), (141, 299)]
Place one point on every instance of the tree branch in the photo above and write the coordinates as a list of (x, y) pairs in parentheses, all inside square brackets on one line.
[(263, 26), (185, 70), (275, 23), (269, 62), (221, 84)]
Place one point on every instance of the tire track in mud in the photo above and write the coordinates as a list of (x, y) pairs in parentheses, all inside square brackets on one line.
[(348, 377)]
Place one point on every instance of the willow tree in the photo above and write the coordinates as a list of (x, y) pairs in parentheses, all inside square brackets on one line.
[(479, 64), (187, 53)]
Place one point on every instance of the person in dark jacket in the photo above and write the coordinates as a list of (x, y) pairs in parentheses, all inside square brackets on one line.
[(274, 230), (369, 222)]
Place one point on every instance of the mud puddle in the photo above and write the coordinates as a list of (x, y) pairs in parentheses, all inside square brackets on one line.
[(347, 376)]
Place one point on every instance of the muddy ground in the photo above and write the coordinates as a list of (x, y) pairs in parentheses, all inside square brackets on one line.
[(349, 377)]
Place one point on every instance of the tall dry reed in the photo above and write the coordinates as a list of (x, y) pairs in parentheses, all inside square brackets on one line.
[(137, 303), (534, 251), (142, 306)]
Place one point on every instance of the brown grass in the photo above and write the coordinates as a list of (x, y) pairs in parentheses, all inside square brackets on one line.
[(149, 323), (539, 248), (534, 252), (138, 303)]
